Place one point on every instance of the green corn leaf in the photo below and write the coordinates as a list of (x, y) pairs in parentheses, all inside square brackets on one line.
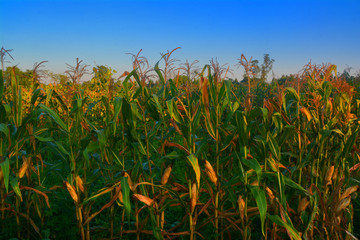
[(274, 147), (36, 95), (4, 129), (155, 228), (98, 194), (14, 182), (260, 198), (58, 97), (135, 110), (5, 167), (291, 230), (61, 148), (293, 92), (126, 196), (196, 118), (117, 107), (101, 136), (253, 164), (158, 71), (2, 112), (293, 184), (44, 139), (350, 142), (152, 109), (91, 147), (195, 165), (19, 110), (174, 113), (54, 116), (1, 86)]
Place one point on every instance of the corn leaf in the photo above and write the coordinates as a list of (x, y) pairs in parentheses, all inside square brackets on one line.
[(126, 196), (14, 182), (1, 87), (54, 116), (195, 165), (260, 198), (5, 167), (293, 232)]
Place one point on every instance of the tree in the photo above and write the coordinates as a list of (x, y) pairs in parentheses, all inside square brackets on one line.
[(25, 78), (102, 75), (266, 67), (58, 78), (259, 73)]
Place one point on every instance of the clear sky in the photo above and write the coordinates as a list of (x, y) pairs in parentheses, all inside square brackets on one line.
[(101, 32)]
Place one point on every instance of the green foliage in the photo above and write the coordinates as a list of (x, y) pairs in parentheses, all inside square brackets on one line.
[(162, 160)]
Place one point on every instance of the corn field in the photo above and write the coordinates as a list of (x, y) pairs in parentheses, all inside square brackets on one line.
[(192, 159)]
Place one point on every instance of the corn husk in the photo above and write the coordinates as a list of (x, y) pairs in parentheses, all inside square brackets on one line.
[(210, 172), (329, 174), (23, 168), (302, 205), (72, 192), (166, 175), (80, 183), (193, 199), (349, 191), (306, 112), (342, 205), (241, 204)]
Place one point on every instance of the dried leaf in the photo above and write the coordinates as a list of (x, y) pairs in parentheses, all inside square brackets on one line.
[(131, 185), (269, 193), (148, 201)]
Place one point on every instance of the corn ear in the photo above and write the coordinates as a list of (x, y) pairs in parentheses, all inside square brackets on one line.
[(306, 112), (72, 192), (166, 175), (302, 205), (23, 168), (342, 205), (329, 174), (211, 173), (349, 191), (193, 199), (80, 183), (241, 204)]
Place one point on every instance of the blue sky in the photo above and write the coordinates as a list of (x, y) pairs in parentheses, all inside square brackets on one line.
[(102, 32)]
